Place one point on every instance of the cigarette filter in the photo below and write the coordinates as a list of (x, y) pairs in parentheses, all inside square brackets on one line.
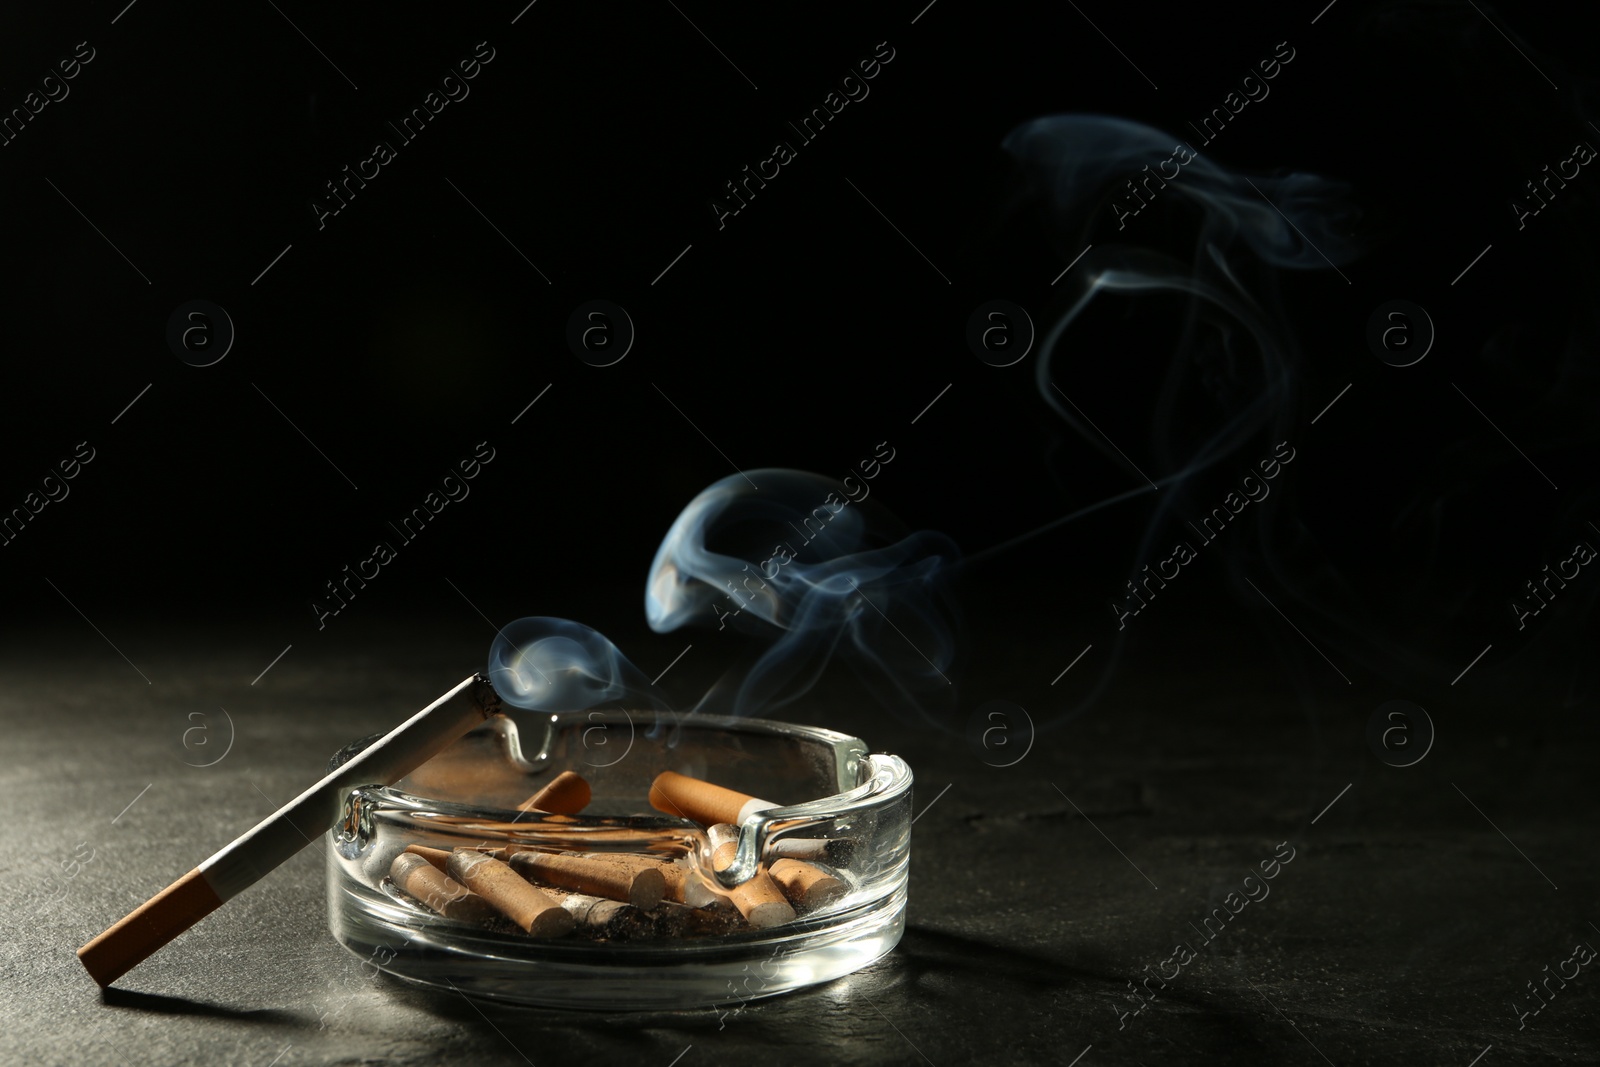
[(245, 860), (601, 917), (643, 887), (808, 887), (683, 886), (418, 878), (532, 909), (708, 804), (438, 857), (566, 794), (759, 899)]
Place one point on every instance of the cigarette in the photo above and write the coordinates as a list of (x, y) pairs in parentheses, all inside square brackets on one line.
[(438, 857), (566, 794), (602, 917), (532, 909), (683, 886), (241, 863), (759, 899), (704, 803), (418, 878), (642, 887), (708, 805), (808, 888)]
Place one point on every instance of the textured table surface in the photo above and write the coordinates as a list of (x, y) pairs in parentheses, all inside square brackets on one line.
[(1403, 930)]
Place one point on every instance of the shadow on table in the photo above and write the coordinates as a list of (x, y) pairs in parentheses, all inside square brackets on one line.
[(956, 984), (165, 1005), (1083, 992)]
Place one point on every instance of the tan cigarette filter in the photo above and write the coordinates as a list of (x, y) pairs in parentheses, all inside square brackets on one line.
[(808, 887), (566, 794), (535, 911), (247, 858), (761, 902), (759, 899), (683, 885), (439, 857), (417, 877), (724, 838), (148, 927), (706, 804), (642, 887)]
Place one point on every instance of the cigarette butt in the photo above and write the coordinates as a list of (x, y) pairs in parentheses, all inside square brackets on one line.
[(439, 857), (759, 899), (724, 839), (808, 887), (566, 794), (761, 902), (596, 911), (683, 885), (603, 917), (417, 877), (643, 888), (707, 804), (533, 910)]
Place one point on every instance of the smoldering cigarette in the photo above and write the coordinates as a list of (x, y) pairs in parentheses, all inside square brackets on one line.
[(642, 887), (566, 794), (418, 878), (530, 908), (708, 805), (758, 899)]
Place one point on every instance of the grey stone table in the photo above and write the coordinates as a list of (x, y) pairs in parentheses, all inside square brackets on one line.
[(1418, 905)]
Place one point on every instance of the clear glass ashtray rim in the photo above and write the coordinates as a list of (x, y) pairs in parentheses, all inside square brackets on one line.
[(881, 777)]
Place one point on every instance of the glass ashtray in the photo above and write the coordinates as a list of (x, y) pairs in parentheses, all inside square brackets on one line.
[(842, 812)]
